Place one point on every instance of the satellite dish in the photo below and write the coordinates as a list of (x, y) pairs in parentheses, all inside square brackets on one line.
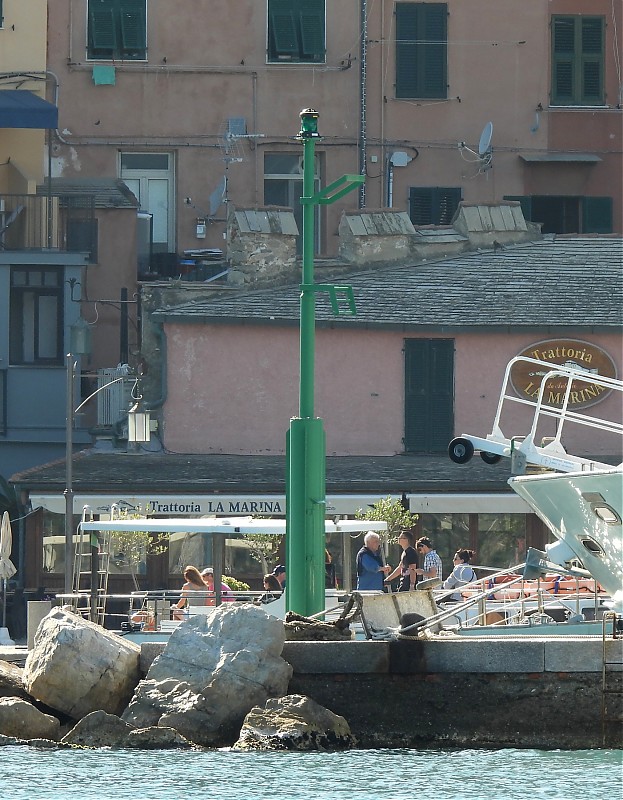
[(484, 145), (217, 196)]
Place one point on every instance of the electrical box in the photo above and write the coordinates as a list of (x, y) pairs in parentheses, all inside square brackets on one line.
[(201, 229)]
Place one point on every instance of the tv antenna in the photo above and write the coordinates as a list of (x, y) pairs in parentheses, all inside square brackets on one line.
[(484, 156), (232, 134)]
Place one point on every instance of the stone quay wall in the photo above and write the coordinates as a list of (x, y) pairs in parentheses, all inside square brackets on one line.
[(464, 692)]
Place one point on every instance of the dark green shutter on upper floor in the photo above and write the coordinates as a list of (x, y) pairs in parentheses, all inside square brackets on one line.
[(577, 60), (433, 205), (296, 30), (421, 50), (429, 395), (117, 29)]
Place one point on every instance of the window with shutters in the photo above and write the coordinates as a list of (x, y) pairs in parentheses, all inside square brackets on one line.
[(433, 205), (568, 213), (577, 61), (117, 30), (296, 31), (421, 50), (429, 395)]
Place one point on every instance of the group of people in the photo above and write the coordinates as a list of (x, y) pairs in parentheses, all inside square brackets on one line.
[(373, 573)]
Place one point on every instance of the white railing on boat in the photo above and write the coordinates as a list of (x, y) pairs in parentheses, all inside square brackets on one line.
[(523, 449)]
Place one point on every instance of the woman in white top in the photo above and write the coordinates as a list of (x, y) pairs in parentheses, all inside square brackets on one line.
[(461, 574)]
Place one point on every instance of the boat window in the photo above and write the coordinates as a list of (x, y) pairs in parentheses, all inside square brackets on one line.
[(592, 546), (607, 514)]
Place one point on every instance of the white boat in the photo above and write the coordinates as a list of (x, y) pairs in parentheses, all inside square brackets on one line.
[(581, 502)]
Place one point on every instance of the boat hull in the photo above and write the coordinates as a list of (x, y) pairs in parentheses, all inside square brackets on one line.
[(583, 510)]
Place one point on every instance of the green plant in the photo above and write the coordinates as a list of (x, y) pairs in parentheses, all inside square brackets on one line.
[(236, 585), (132, 547), (392, 512), (264, 546)]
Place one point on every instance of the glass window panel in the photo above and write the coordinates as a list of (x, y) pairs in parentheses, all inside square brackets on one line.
[(50, 278), (282, 164), (19, 277), (448, 533), (48, 325), (28, 327), (159, 207), (501, 540), (145, 161)]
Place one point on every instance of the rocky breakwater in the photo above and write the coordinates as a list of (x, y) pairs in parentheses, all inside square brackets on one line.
[(81, 686)]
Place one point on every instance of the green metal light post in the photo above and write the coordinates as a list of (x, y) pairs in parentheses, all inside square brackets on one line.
[(305, 441)]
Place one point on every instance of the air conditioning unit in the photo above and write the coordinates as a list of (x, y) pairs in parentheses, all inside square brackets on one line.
[(113, 401)]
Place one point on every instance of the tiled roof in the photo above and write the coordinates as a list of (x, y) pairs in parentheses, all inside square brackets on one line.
[(165, 472), (557, 283), (130, 473)]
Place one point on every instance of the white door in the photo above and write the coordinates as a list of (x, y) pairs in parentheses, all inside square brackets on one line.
[(150, 177)]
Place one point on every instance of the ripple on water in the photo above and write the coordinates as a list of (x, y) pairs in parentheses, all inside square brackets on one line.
[(356, 775)]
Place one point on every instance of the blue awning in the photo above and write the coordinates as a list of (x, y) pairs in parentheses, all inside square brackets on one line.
[(22, 109)]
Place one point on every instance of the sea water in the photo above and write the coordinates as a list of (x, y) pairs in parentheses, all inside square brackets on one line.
[(27, 773)]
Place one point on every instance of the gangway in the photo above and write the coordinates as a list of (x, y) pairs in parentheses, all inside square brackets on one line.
[(550, 452)]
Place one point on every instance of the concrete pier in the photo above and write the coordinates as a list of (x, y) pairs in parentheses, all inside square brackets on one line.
[(542, 693)]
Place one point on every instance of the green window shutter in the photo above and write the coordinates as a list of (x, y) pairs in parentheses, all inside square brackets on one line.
[(102, 31), (429, 394), (434, 51), (592, 60), (421, 50), (596, 214), (420, 206), (296, 30), (433, 205), (132, 29), (577, 60), (563, 60), (312, 35), (284, 33)]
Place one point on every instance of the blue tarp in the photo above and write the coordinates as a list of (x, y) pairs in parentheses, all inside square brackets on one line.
[(22, 109)]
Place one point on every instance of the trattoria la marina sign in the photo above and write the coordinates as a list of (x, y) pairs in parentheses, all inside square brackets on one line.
[(526, 378)]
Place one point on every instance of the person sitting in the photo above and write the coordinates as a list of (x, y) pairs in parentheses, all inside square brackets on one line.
[(272, 590), (280, 573), (194, 584), (462, 573), (207, 576)]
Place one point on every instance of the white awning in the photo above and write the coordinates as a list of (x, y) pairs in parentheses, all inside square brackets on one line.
[(223, 525), (275, 505)]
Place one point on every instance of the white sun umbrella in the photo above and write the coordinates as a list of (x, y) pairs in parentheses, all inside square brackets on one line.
[(7, 568)]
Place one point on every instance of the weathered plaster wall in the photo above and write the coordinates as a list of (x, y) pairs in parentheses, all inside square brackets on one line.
[(233, 389)]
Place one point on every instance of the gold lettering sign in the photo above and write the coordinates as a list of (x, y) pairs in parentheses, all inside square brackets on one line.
[(526, 378)]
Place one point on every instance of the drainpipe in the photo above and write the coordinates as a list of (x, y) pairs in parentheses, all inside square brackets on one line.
[(156, 404), (363, 119)]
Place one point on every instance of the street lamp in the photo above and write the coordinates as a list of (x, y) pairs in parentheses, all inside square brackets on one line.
[(138, 426)]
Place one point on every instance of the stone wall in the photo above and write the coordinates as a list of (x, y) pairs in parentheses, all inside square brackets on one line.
[(261, 245)]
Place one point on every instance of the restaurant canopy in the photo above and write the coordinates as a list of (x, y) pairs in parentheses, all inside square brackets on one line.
[(20, 108)]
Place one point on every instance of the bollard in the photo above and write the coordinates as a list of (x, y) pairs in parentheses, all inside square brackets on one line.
[(37, 610)]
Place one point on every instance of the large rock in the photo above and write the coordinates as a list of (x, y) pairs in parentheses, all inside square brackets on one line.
[(211, 673), (77, 667), (294, 722), (100, 729), (21, 719), (11, 680)]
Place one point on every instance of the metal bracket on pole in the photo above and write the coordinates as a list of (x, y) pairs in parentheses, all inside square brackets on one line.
[(334, 190), (341, 297)]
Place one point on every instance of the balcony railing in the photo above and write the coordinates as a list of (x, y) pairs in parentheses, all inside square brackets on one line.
[(57, 222)]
